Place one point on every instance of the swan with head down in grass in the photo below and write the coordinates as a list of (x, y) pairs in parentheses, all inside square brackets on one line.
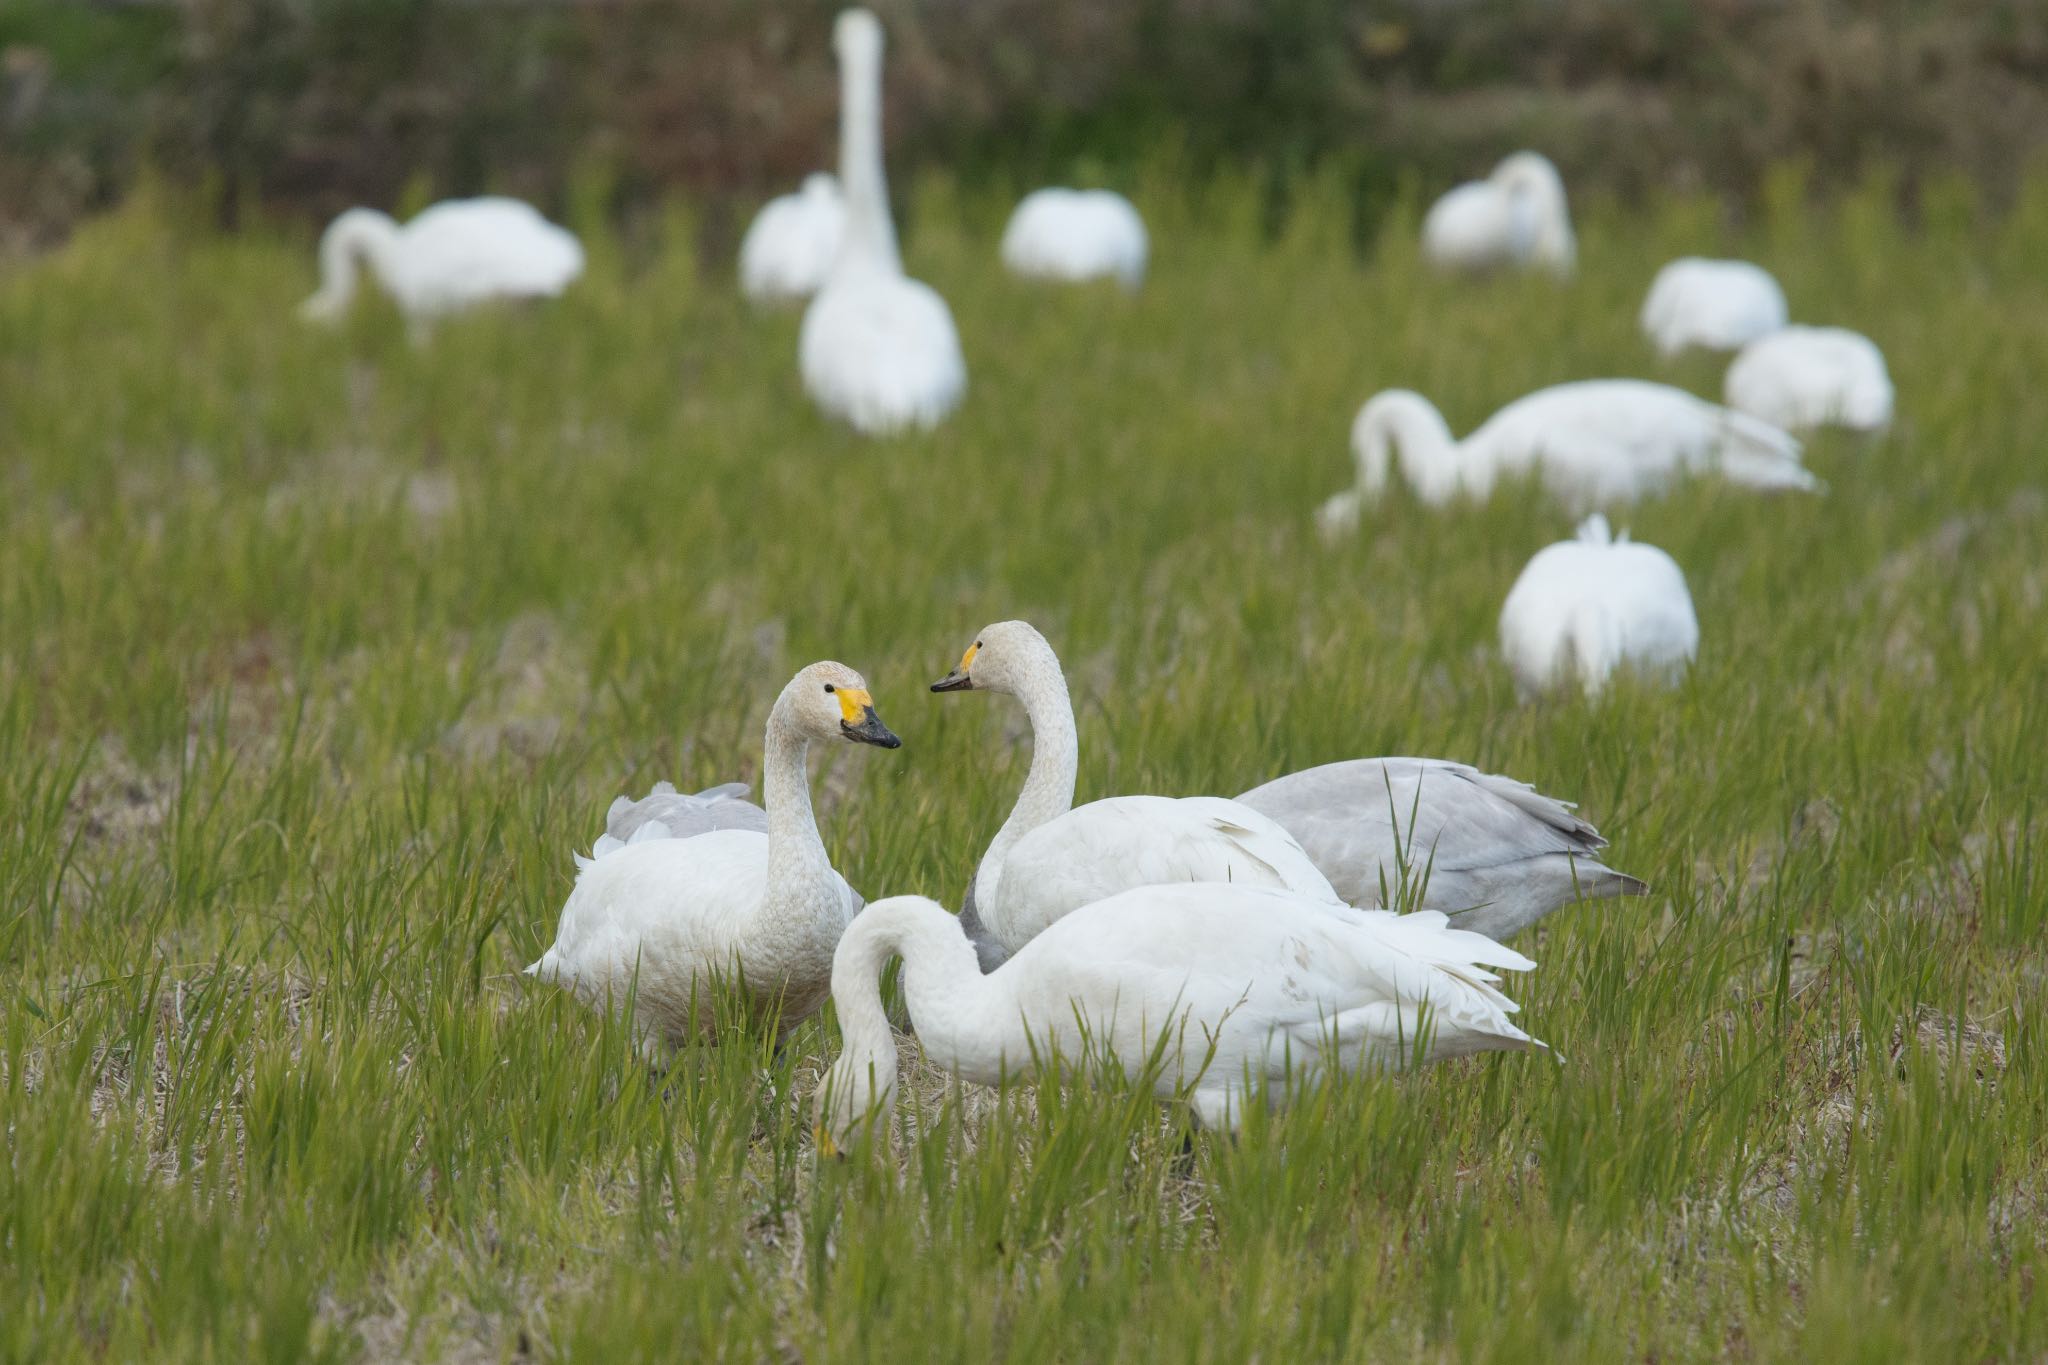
[(1714, 305), (1427, 832), (662, 915), (1800, 378), (1226, 995), (1074, 235), (449, 258), (878, 350), (1593, 443), (1588, 607)]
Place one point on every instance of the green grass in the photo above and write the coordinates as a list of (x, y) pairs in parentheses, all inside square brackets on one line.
[(319, 652)]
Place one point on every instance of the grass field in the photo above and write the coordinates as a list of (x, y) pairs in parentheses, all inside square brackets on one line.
[(320, 652)]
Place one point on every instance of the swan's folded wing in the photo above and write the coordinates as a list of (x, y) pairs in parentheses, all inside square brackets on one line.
[(687, 815)]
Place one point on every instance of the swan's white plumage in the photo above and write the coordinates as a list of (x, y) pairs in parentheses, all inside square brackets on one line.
[(1504, 854), (1717, 305), (1097, 850), (452, 256), (1496, 853), (1237, 990), (662, 914), (878, 350), (1586, 607), (1595, 443), (1805, 377), (1062, 234), (792, 242), (1516, 217)]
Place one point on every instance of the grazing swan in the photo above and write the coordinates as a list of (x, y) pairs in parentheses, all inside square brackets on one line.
[(676, 911), (1804, 377), (878, 350), (1076, 235), (791, 244), (1500, 854), (1595, 442), (1052, 857), (1516, 217), (1718, 305), (453, 256), (1235, 990), (1586, 607)]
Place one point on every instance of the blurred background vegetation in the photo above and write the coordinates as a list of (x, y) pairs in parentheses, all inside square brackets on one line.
[(302, 106)]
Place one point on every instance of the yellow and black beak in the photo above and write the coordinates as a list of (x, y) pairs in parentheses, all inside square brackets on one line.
[(827, 1148), (959, 680), (858, 721)]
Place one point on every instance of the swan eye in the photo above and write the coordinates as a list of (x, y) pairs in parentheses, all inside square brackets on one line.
[(829, 687)]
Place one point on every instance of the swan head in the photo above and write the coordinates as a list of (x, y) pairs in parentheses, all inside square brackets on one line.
[(857, 36), (857, 1092), (831, 701), (1001, 658)]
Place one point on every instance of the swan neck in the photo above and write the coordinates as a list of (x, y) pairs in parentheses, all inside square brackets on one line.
[(798, 865), (870, 240), (950, 1000), (1415, 433), (1048, 790), (363, 235)]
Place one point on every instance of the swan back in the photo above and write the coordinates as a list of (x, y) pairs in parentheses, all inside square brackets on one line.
[(1586, 607), (1061, 234), (1798, 378), (791, 245), (1718, 305), (452, 256)]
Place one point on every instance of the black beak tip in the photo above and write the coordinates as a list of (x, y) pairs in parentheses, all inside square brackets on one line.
[(871, 731), (956, 681)]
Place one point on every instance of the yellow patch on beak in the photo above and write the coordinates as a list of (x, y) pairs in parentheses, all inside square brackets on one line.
[(967, 659), (853, 704), (823, 1139)]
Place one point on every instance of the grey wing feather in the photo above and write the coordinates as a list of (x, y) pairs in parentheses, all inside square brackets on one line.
[(687, 815)]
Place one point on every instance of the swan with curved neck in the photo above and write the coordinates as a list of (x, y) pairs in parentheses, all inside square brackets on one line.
[(793, 242), (454, 255), (1050, 857), (664, 916), (878, 350), (1516, 217), (1501, 855), (1594, 442), (1233, 989)]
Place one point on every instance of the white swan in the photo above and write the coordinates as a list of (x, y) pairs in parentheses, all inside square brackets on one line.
[(1498, 853), (791, 244), (1596, 442), (454, 255), (1058, 234), (762, 911), (1586, 607), (1805, 377), (1718, 305), (878, 350), (1235, 991), (1516, 217)]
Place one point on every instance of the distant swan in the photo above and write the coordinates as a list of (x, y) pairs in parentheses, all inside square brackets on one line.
[(1717, 305), (1806, 377), (1584, 608), (453, 256), (1500, 855), (791, 244), (1058, 234), (1234, 990), (1594, 443), (1516, 217), (878, 350), (664, 916)]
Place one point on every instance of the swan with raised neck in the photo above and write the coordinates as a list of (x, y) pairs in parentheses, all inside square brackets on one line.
[(869, 242), (661, 916)]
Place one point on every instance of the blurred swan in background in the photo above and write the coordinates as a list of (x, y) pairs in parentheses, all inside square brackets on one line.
[(1232, 990), (1584, 608), (452, 256), (1516, 217), (1594, 443), (658, 916), (878, 350), (1717, 305), (1068, 235), (1805, 377), (1500, 855), (792, 242)]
